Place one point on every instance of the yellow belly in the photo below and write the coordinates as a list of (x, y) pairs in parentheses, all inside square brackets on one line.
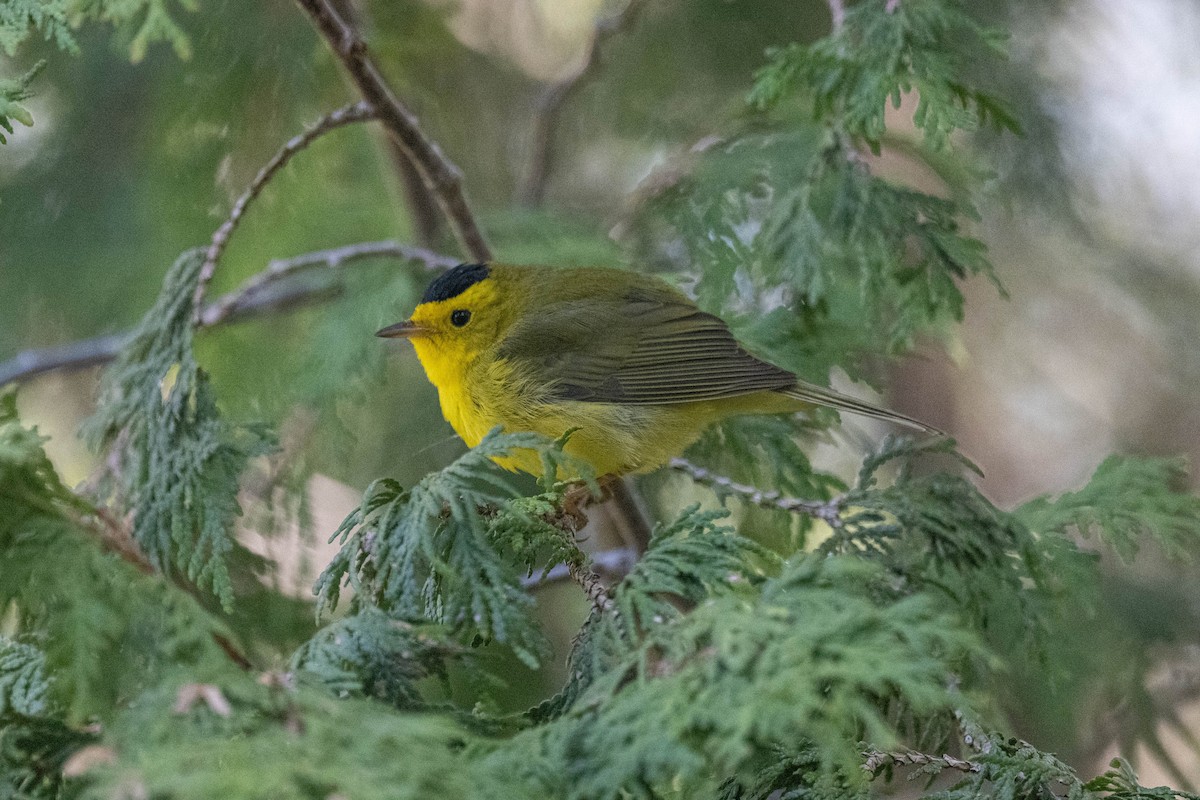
[(613, 438)]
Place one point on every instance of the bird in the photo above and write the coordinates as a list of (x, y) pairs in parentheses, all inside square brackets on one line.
[(626, 361)]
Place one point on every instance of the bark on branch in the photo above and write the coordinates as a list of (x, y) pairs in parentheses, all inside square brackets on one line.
[(442, 178)]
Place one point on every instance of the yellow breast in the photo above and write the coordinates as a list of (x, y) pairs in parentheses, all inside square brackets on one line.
[(479, 395)]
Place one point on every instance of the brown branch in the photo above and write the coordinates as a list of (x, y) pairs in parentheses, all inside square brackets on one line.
[(592, 585), (357, 112), (549, 104), (827, 510), (279, 269), (570, 520), (261, 294), (442, 178), (116, 538), (877, 760), (423, 209)]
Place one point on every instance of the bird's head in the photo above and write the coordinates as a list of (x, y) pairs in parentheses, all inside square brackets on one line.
[(461, 314)]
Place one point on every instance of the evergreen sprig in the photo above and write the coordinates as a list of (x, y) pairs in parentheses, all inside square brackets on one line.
[(369, 654), (1127, 501), (806, 664), (428, 553), (93, 615), (266, 739), (24, 685), (20, 18), (881, 53), (12, 92), (179, 460), (143, 21)]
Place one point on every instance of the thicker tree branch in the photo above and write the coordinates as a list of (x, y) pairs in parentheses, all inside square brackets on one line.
[(442, 178), (343, 116), (827, 510)]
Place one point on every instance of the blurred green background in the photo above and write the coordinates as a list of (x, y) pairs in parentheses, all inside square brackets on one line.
[(1090, 219)]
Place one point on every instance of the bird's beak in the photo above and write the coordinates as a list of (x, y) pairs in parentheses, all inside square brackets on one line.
[(402, 330)]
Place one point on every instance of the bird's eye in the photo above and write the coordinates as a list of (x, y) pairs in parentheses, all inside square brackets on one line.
[(460, 317)]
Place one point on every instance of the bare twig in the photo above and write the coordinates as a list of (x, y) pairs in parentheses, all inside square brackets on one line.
[(549, 104), (592, 585), (281, 268), (570, 519), (76, 355), (116, 538), (260, 294), (827, 510), (357, 112), (876, 760), (423, 208), (442, 178), (611, 564)]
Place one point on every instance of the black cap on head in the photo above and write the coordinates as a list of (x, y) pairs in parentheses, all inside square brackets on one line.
[(454, 282)]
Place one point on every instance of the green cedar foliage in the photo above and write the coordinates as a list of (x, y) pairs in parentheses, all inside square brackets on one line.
[(180, 462), (881, 53), (12, 92), (142, 22), (756, 661), (427, 553), (103, 625), (1126, 502), (23, 683)]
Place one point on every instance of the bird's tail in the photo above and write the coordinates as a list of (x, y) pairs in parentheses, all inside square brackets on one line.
[(818, 395)]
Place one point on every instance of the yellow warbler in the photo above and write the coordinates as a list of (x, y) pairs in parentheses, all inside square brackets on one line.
[(626, 359)]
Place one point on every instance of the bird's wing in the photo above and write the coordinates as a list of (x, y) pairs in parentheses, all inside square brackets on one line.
[(642, 348)]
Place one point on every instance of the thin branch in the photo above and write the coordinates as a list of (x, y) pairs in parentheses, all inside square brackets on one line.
[(358, 112), (549, 104), (76, 355), (442, 178), (282, 268), (612, 564), (827, 510), (115, 537), (877, 760), (592, 585), (570, 520), (423, 209), (261, 294)]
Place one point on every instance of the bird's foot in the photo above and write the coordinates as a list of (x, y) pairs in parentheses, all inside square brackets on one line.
[(579, 496)]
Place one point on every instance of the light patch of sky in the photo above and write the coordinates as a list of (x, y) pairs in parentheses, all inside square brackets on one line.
[(548, 39), (1126, 91)]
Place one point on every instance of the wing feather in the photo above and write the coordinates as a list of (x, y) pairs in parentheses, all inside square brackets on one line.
[(647, 347)]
